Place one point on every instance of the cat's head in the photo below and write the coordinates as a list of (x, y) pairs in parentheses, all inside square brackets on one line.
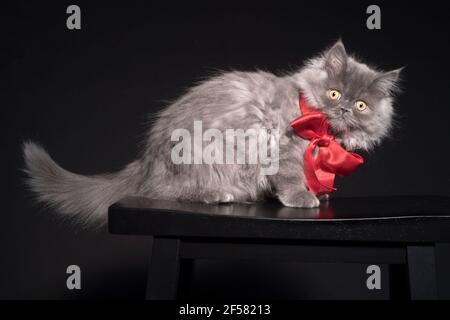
[(356, 99)]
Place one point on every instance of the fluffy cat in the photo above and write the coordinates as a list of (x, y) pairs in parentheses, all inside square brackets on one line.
[(333, 82)]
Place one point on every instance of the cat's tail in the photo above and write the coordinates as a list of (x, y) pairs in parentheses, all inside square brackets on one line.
[(86, 198)]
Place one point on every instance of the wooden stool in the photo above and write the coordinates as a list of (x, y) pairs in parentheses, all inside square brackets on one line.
[(407, 233)]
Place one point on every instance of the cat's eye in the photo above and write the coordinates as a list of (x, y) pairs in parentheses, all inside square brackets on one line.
[(360, 105), (333, 94)]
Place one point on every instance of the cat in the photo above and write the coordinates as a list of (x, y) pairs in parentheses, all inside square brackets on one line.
[(356, 99)]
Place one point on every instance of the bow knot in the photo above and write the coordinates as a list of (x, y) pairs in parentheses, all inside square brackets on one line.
[(323, 141), (330, 159)]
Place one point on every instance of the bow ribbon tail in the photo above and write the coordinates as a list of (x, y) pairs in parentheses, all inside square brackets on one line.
[(319, 181)]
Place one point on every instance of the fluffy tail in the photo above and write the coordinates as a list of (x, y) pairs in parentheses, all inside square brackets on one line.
[(84, 197)]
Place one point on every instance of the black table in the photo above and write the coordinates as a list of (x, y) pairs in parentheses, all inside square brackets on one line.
[(410, 234)]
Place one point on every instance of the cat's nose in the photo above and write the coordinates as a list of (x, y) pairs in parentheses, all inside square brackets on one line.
[(344, 110)]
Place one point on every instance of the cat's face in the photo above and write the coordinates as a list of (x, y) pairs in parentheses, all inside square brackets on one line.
[(356, 99)]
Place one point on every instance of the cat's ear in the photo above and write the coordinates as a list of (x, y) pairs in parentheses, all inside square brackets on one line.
[(336, 59), (388, 82)]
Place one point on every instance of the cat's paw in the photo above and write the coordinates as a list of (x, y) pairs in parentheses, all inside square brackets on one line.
[(215, 197), (324, 197), (301, 199)]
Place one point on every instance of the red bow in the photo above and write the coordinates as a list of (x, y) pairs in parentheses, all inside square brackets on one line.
[(331, 159)]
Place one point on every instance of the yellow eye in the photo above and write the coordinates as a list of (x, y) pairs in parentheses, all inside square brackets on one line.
[(334, 94), (360, 105)]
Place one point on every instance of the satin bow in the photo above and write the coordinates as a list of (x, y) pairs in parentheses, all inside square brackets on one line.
[(331, 158)]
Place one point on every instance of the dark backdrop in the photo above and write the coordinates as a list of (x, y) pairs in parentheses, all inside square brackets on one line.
[(85, 95)]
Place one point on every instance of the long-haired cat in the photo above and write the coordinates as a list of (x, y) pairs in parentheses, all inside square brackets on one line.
[(333, 82)]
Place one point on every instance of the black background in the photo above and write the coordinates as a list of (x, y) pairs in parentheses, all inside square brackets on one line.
[(86, 95)]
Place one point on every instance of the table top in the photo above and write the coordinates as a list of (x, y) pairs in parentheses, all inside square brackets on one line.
[(373, 219)]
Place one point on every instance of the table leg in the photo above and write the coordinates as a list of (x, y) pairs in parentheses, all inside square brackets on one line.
[(443, 270), (162, 282), (421, 272)]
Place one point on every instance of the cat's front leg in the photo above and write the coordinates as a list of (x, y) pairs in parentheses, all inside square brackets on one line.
[(289, 182), (298, 198)]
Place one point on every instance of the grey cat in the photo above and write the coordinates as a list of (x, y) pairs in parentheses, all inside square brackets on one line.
[(356, 99)]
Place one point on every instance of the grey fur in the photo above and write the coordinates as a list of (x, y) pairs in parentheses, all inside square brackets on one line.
[(232, 100)]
